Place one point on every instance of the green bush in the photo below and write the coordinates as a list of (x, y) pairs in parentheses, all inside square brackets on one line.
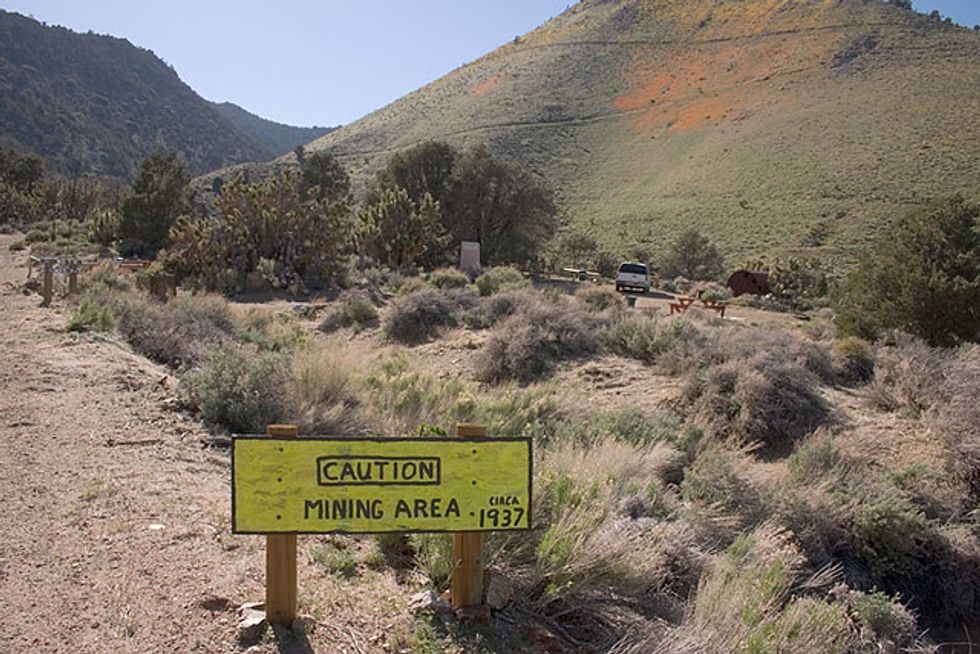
[(91, 316), (923, 277), (888, 533), (37, 236), (888, 619), (18, 245), (717, 479), (599, 298), (448, 278), (238, 388), (853, 360), (360, 312), (500, 278), (646, 338)]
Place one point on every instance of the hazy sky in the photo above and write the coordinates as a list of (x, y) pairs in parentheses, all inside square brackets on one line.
[(322, 62)]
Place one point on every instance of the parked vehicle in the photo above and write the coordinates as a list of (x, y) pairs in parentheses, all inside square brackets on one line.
[(633, 276)]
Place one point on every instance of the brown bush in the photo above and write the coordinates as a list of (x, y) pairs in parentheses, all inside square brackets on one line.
[(958, 419), (909, 375), (414, 318), (761, 399), (525, 345), (176, 334)]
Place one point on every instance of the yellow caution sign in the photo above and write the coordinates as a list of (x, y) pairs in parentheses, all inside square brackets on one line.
[(374, 485)]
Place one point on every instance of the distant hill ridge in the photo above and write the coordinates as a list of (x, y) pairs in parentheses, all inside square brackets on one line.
[(789, 126), (95, 104), (275, 138)]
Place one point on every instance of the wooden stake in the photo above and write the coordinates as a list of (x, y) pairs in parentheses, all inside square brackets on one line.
[(280, 561), (467, 585), (47, 290)]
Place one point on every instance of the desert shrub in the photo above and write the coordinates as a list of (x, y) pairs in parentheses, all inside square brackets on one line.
[(103, 278), (238, 388), (448, 278), (495, 308), (908, 375), (762, 399), (524, 346), (37, 236), (91, 316), (716, 480), (414, 318), (434, 557), (510, 411), (648, 339), (500, 278), (628, 424), (588, 541), (355, 310), (335, 559), (888, 532), (712, 291), (814, 458), (599, 298), (958, 417), (361, 312), (269, 330), (885, 617), (176, 334), (853, 360), (745, 343), (18, 245), (323, 392)]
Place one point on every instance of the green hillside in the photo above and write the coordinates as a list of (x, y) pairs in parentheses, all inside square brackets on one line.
[(791, 126)]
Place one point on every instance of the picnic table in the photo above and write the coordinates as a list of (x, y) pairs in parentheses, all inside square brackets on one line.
[(581, 274), (683, 303)]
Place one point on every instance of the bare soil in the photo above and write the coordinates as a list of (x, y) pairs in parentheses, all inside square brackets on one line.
[(116, 518)]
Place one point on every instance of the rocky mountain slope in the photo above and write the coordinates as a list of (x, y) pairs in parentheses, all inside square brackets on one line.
[(790, 126), (95, 104)]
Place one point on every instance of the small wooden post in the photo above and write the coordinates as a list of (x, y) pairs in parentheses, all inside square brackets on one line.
[(73, 277), (47, 290), (280, 561), (467, 583)]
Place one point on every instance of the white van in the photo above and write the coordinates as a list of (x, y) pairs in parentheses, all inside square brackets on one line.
[(633, 276)]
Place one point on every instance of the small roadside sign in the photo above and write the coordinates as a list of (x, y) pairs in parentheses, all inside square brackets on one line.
[(376, 485)]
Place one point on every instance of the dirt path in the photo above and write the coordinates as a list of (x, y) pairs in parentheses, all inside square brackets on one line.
[(115, 519)]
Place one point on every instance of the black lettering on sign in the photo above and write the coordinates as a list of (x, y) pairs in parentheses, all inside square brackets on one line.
[(378, 471), (435, 507), (343, 509)]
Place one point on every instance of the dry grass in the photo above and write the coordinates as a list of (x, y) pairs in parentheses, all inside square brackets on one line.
[(324, 390)]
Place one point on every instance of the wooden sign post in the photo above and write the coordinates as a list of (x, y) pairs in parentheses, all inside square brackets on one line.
[(283, 485), (467, 581), (47, 288), (280, 561)]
